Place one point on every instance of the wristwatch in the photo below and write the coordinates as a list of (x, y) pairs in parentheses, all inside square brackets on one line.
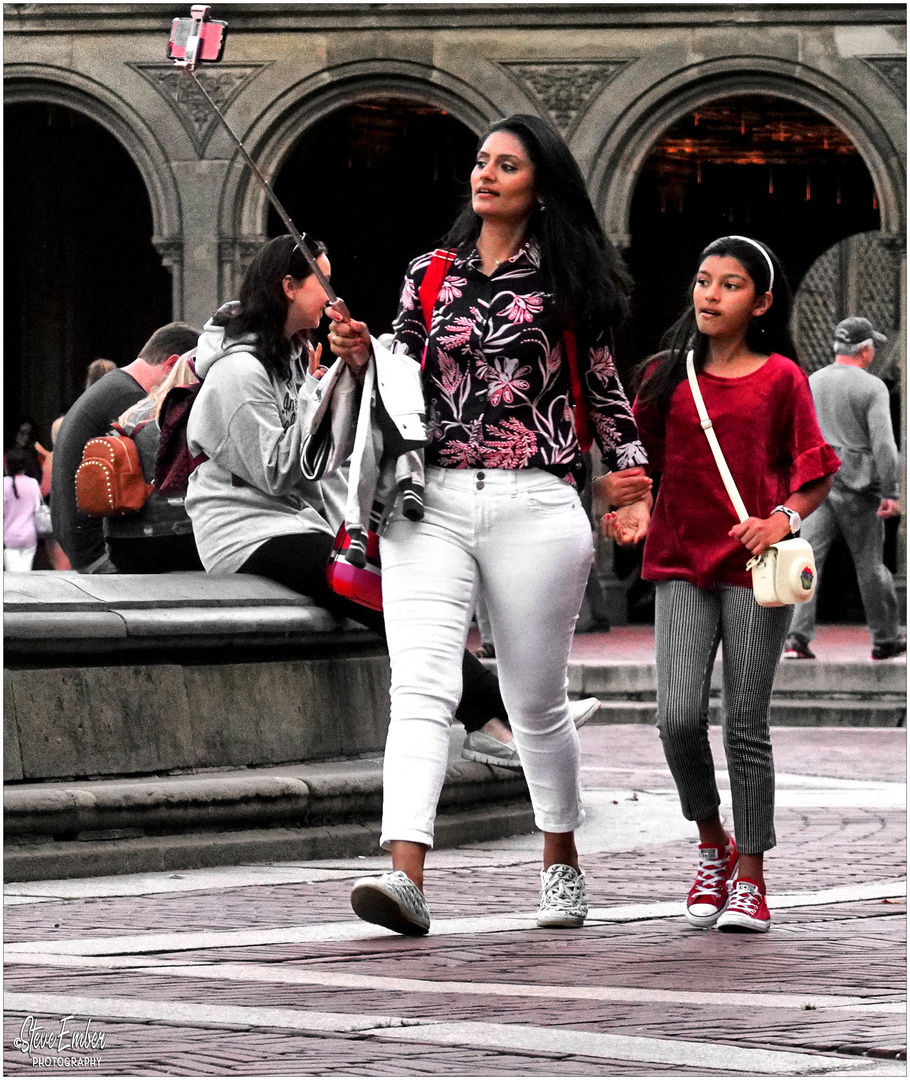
[(795, 520)]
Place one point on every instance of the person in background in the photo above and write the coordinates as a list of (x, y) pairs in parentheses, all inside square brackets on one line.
[(25, 438), (502, 510), (21, 498), (82, 537), (696, 551), (93, 373), (852, 407), (157, 539)]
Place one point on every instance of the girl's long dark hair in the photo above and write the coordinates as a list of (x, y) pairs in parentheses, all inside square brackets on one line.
[(582, 269), (264, 307), (660, 375), (16, 462)]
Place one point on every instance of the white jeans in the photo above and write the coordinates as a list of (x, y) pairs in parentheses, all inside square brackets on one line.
[(524, 538), (19, 559)]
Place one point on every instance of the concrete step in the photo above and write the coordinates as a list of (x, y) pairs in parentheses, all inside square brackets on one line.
[(785, 712), (300, 811)]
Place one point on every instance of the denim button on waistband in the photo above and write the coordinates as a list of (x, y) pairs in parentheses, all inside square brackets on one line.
[(480, 476)]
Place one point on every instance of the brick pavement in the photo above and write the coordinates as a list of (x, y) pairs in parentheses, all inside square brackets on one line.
[(293, 986)]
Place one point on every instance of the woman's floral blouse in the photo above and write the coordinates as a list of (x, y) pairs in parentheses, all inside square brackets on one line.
[(496, 383)]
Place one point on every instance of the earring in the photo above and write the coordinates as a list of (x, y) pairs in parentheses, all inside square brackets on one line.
[(541, 204)]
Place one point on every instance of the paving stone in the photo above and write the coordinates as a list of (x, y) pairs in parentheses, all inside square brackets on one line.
[(850, 950)]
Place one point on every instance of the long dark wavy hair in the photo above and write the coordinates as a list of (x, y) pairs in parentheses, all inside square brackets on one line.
[(582, 269), (659, 375), (264, 307)]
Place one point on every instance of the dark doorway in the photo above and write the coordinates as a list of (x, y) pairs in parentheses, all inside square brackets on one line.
[(379, 182), (82, 279), (756, 165)]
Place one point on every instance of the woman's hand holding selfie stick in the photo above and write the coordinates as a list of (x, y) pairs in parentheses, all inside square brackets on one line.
[(349, 340)]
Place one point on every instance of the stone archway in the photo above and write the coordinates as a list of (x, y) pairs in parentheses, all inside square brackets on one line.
[(31, 83), (83, 279), (244, 208), (621, 155), (758, 165)]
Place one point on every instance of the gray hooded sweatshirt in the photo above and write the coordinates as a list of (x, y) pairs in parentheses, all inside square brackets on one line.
[(250, 426)]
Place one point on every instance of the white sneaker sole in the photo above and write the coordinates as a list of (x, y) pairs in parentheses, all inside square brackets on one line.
[(374, 905), (735, 922), (558, 919), (703, 922), (489, 759)]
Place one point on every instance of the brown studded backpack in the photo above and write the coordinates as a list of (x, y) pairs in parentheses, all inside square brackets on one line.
[(109, 481)]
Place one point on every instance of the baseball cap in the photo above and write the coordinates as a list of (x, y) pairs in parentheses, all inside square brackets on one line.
[(855, 330)]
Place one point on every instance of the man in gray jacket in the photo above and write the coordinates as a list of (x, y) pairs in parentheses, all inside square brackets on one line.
[(853, 412)]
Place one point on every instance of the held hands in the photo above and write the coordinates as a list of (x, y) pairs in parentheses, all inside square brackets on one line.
[(758, 534), (628, 524), (350, 340), (623, 487)]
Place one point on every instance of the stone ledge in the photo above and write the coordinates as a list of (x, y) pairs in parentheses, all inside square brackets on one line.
[(49, 613), (55, 590), (326, 810)]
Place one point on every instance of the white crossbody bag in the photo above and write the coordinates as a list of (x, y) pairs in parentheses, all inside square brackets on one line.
[(785, 572)]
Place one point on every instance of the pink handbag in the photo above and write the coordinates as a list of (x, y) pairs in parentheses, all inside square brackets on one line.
[(362, 584)]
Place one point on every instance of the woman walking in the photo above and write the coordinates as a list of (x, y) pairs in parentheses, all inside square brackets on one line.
[(251, 508), (21, 498), (696, 551), (502, 511)]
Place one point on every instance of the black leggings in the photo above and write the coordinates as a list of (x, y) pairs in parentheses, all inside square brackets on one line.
[(298, 562)]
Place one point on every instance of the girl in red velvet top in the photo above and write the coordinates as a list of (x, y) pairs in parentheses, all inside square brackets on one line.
[(696, 551)]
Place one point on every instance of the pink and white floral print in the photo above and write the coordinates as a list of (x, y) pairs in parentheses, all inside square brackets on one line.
[(408, 295), (524, 308), (450, 290), (505, 381), (496, 378)]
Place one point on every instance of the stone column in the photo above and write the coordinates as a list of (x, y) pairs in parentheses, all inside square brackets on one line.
[(200, 184)]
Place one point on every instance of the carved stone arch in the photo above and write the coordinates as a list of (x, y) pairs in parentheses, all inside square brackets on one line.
[(621, 156), (57, 86), (271, 138)]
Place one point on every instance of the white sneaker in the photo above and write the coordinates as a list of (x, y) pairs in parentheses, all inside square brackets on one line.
[(391, 900), (484, 748), (582, 711), (563, 901)]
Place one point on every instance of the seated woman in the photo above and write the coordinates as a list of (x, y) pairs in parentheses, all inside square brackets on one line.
[(251, 508)]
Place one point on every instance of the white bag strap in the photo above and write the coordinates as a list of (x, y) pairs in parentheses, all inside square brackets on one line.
[(708, 428)]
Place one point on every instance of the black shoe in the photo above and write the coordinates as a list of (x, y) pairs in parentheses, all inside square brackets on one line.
[(796, 649), (889, 649)]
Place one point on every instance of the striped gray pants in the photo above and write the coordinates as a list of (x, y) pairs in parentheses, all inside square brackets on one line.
[(690, 623)]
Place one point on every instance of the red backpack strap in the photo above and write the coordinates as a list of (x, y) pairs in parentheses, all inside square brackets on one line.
[(583, 429), (430, 287)]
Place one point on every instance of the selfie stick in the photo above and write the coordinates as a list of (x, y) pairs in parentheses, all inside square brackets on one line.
[(200, 14)]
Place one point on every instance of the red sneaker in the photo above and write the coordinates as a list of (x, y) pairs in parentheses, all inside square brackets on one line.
[(747, 911), (708, 896)]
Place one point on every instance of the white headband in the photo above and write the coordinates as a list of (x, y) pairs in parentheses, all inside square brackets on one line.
[(755, 243)]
